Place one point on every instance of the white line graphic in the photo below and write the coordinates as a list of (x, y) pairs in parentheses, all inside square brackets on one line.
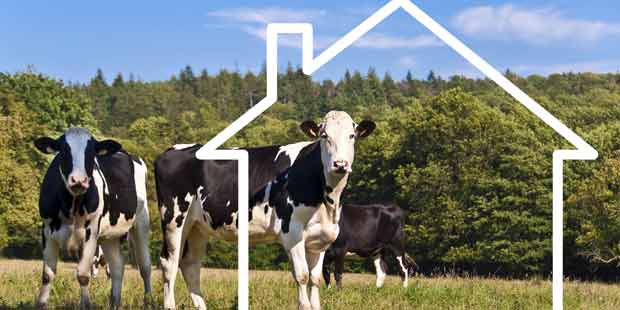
[(310, 64)]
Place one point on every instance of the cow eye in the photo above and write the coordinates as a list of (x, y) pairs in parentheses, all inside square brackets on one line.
[(352, 136)]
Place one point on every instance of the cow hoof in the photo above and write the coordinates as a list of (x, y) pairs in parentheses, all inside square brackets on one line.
[(41, 306), (149, 302)]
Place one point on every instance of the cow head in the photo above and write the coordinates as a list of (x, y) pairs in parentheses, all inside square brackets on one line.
[(337, 134), (76, 150)]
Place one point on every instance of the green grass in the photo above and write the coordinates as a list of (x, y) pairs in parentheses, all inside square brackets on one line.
[(20, 280)]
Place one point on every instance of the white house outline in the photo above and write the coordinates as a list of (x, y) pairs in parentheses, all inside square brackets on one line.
[(310, 64)]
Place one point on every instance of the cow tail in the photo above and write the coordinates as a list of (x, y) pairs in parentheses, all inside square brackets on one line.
[(157, 185)]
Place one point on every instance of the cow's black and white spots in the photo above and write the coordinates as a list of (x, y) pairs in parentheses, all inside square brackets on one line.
[(93, 193), (198, 199), (370, 231), (295, 192), (306, 199)]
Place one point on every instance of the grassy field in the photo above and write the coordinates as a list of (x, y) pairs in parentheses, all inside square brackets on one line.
[(19, 282)]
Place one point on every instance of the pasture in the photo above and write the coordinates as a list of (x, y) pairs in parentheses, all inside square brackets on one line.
[(275, 290)]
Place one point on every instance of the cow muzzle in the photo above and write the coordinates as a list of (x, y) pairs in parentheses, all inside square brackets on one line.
[(78, 185), (341, 167)]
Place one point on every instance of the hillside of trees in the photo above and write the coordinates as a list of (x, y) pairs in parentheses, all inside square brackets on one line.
[(471, 166)]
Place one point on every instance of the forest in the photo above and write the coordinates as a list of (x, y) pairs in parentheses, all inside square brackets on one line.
[(468, 163)]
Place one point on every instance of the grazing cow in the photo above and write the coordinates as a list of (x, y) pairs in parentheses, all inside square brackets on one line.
[(295, 193), (93, 193), (370, 231)]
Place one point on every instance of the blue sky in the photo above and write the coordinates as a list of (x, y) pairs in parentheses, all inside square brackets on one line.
[(155, 39)]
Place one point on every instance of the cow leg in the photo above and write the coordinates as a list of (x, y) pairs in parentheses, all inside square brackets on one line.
[(339, 267), (50, 259), (84, 269), (169, 260), (301, 274), (398, 249), (112, 252), (379, 264), (315, 264), (327, 260), (94, 271), (98, 260), (295, 246), (139, 235), (403, 270), (190, 265)]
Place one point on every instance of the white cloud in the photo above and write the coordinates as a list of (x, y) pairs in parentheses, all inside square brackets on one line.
[(382, 41), (407, 61), (289, 40), (253, 21), (598, 66), (267, 15), (536, 26), (370, 41)]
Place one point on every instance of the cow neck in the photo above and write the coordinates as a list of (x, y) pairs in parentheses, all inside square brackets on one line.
[(306, 181), (104, 183), (333, 191), (309, 184), (77, 205), (62, 176), (67, 202), (80, 212), (334, 188)]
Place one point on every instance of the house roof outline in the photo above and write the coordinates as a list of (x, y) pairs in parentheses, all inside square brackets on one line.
[(582, 151)]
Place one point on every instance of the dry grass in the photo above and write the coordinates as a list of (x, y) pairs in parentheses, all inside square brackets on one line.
[(19, 283)]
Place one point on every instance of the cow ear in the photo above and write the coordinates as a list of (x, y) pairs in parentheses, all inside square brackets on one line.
[(310, 128), (47, 145), (365, 128), (107, 147)]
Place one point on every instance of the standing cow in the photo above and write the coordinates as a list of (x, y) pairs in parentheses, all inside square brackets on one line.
[(198, 199), (93, 192), (370, 231), (295, 197)]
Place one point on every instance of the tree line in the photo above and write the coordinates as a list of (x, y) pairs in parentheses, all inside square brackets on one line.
[(468, 163)]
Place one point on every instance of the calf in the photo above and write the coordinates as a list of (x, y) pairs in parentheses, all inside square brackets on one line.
[(93, 192), (370, 231), (295, 193)]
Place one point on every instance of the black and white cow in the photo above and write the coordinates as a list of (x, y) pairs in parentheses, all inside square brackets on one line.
[(370, 231), (93, 192), (198, 199), (295, 193)]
